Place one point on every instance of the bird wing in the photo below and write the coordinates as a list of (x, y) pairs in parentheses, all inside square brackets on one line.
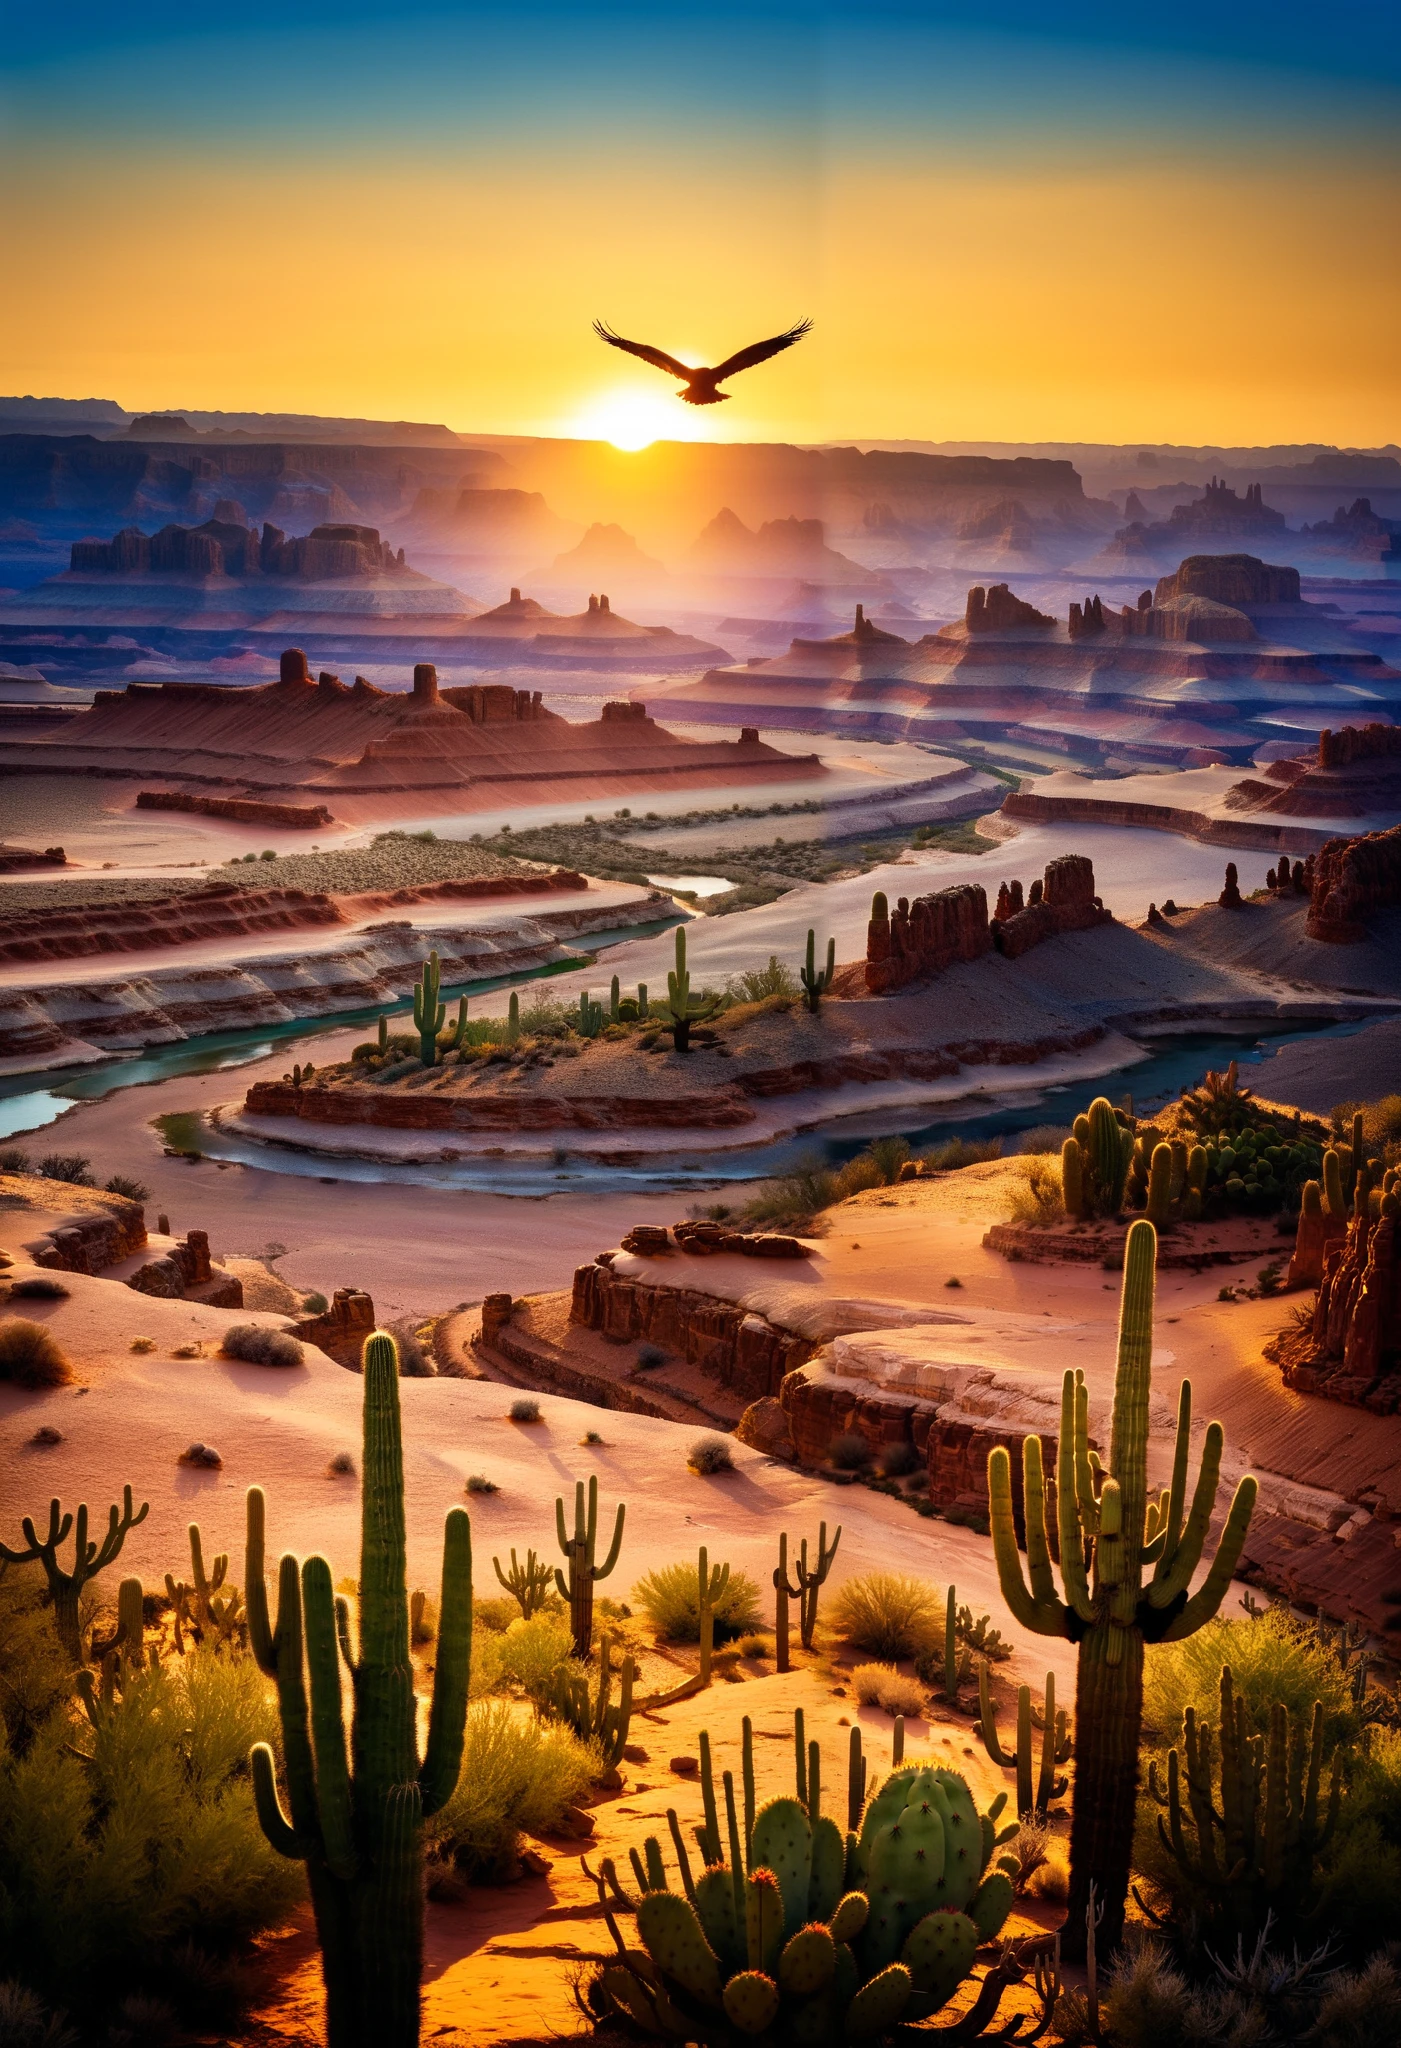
[(657, 357), (760, 351)]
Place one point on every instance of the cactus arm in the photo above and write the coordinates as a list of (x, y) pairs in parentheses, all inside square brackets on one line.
[(1038, 1549), (1188, 1555), (1074, 1577), (116, 1533), (1046, 1618), (601, 1571), (1177, 1496), (747, 1752), (683, 1860), (452, 1672), (737, 1864), (1052, 1737), (343, 1633), (1206, 1601), (273, 1821), (987, 1722), (1128, 1446), (333, 1795), (255, 1591)]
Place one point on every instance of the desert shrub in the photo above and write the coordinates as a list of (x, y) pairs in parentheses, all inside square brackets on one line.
[(1031, 1847), (1043, 1138), (416, 1362), (754, 1646), (1034, 1194), (26, 2022), (35, 1672), (760, 984), (477, 1482), (255, 1345), (1272, 1657), (897, 1459), (314, 1304), (890, 1614), (134, 1190), (710, 1454), (518, 1775), (670, 1598), (495, 1614), (532, 1651), (1381, 1122), (41, 1287), (122, 1845), (849, 1452), (30, 1356), (649, 1357), (955, 1153), (889, 1154), (342, 1466), (881, 1685), (71, 1167), (14, 1159), (795, 1199), (526, 1409), (1361, 1897)]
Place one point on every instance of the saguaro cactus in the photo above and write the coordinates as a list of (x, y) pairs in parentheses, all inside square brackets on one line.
[(811, 1579), (428, 1012), (816, 982), (459, 1035), (580, 1552), (89, 1558), (528, 1583), (357, 1822), (513, 1017), (1109, 1531), (592, 1715), (197, 1606), (1055, 1745), (681, 1009), (383, 1034)]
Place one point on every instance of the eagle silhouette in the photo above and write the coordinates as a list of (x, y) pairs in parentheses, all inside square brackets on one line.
[(700, 383)]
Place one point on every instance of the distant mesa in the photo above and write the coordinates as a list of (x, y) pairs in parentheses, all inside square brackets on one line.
[(606, 551), (1007, 526), (161, 426), (1219, 514), (997, 610), (780, 547), (1357, 533), (480, 521), (1230, 579), (223, 548)]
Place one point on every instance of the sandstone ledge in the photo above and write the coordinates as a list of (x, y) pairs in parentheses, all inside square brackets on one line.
[(1102, 1244), (1088, 810)]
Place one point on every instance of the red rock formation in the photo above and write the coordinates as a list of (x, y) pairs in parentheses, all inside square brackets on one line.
[(184, 1272), (1064, 902), (341, 1331), (1351, 877), (996, 610), (1230, 897), (1230, 580), (743, 1350), (219, 912), (1357, 743), (1088, 621), (1352, 1350), (390, 1109), (245, 810), (92, 1239), (951, 924)]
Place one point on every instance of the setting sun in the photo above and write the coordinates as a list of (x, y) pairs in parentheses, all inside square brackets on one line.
[(632, 419)]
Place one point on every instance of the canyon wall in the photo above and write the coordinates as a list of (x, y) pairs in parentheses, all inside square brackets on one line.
[(1351, 877), (953, 924)]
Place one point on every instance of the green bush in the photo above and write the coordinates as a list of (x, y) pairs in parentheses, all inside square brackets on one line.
[(670, 1598), (1034, 1194), (890, 1614), (1361, 1899), (1272, 1657), (955, 1153), (532, 1651), (518, 1775), (123, 1844), (761, 984), (35, 1671)]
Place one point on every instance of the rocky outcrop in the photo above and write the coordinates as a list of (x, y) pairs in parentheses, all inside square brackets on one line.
[(743, 1351), (243, 810), (1230, 579), (1030, 805), (997, 610), (1351, 1350), (186, 1272), (90, 1239), (1352, 877), (920, 939), (341, 1331), (221, 547), (1358, 743), (1064, 900)]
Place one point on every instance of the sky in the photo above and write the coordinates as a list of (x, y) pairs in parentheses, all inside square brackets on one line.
[(1007, 222)]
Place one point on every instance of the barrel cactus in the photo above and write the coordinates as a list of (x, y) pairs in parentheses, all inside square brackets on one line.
[(798, 1932)]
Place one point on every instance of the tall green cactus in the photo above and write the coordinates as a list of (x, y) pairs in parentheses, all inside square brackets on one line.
[(1032, 1802), (810, 1581), (593, 1715), (1094, 1173), (1160, 1186), (614, 996), (681, 1009), (89, 1558), (580, 1552), (383, 1043), (459, 1035), (1259, 1833), (428, 1012), (513, 1017), (1109, 1531), (816, 981), (357, 1821), (1072, 1180), (589, 1021)]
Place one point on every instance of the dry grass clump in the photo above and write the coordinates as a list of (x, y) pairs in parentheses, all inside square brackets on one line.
[(342, 1466), (891, 1614), (518, 1776), (710, 1454), (670, 1598), (1034, 1191), (40, 1287), (881, 1685), (254, 1345), (30, 1357), (526, 1409), (477, 1482), (850, 1451)]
